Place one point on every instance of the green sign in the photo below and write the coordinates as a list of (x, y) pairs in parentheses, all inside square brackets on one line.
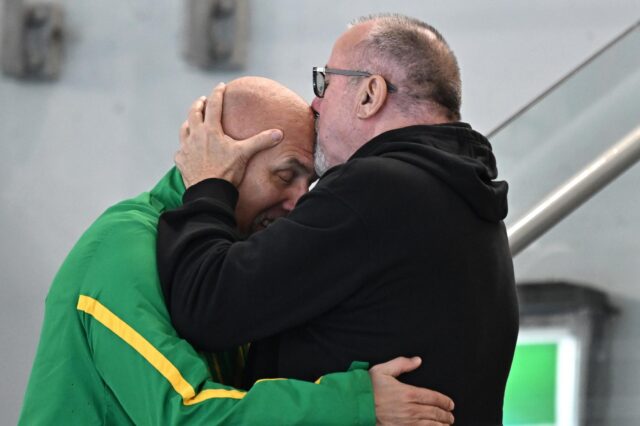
[(530, 397)]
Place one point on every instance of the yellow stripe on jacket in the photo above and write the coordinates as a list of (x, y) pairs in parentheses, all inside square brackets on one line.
[(141, 345)]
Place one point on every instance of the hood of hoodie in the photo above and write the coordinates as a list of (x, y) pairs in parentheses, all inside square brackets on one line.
[(453, 152)]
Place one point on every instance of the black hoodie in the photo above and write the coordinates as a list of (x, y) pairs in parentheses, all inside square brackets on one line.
[(399, 251)]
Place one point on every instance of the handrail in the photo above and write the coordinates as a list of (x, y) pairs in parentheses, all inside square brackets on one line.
[(560, 82), (573, 193)]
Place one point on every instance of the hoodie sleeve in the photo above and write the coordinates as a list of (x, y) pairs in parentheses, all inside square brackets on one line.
[(295, 270)]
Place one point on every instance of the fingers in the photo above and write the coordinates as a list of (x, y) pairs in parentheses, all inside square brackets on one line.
[(425, 414), (433, 416), (196, 113), (430, 423), (261, 141), (432, 398), (431, 405), (398, 366), (213, 117)]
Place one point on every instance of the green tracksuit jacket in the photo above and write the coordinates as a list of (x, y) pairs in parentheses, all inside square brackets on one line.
[(109, 355)]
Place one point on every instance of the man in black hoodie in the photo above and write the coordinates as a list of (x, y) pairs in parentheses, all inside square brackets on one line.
[(400, 249)]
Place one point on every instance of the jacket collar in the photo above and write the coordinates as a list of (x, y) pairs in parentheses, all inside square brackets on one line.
[(167, 194)]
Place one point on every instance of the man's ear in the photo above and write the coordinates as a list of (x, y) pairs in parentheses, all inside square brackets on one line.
[(371, 97)]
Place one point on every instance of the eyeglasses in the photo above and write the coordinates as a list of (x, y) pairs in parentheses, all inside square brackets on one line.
[(320, 82)]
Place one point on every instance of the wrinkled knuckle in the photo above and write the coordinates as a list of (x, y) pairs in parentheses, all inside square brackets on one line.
[(440, 416), (412, 412), (412, 395), (435, 413)]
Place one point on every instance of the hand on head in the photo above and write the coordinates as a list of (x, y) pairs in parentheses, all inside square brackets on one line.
[(222, 138), (207, 152)]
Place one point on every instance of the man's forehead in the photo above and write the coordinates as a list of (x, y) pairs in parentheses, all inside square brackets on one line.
[(299, 135), (352, 36)]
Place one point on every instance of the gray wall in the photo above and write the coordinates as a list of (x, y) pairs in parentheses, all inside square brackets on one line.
[(108, 128)]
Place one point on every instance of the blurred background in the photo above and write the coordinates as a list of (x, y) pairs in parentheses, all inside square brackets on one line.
[(89, 115)]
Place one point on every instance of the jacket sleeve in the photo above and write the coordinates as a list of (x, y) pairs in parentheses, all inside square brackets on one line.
[(298, 268), (158, 378)]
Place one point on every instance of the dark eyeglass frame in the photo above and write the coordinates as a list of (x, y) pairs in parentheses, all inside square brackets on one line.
[(322, 71)]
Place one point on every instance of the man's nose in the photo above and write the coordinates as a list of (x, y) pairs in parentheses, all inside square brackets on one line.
[(294, 192)]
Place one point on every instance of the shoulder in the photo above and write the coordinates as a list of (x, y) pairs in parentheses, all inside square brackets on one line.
[(373, 169), (373, 177), (119, 245), (125, 225)]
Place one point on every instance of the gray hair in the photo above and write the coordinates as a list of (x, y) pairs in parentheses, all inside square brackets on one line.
[(418, 55)]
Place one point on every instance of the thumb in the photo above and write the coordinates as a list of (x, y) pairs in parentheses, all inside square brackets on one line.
[(261, 141), (399, 366)]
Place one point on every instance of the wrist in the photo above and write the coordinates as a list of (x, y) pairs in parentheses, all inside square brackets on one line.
[(216, 188)]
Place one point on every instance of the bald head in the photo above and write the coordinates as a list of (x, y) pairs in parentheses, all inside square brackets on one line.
[(254, 104), (277, 177)]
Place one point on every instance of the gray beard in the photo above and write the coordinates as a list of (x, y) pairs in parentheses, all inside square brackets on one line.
[(320, 162)]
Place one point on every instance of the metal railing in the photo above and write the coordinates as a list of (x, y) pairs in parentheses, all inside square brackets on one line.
[(563, 80), (578, 189)]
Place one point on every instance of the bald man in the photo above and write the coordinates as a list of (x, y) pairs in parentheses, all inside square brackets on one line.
[(108, 353)]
